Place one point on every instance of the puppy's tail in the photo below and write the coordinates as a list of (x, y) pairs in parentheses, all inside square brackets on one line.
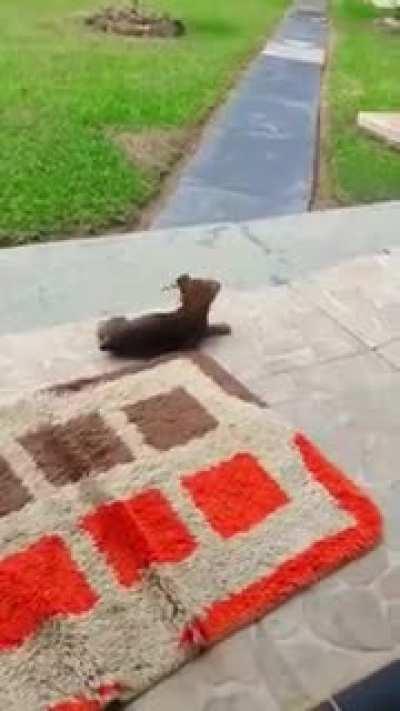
[(218, 329)]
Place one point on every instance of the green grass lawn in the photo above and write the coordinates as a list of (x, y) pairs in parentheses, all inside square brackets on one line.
[(64, 90), (364, 75)]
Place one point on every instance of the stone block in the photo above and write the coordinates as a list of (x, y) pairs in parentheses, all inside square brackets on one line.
[(381, 124)]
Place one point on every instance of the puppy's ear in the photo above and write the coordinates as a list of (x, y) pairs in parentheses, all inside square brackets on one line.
[(183, 280), (179, 283)]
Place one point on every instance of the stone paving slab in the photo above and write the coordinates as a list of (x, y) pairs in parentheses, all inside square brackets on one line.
[(295, 50), (315, 7), (304, 24), (296, 246), (262, 143), (271, 79), (49, 284), (275, 93), (284, 333), (275, 116), (381, 124), (351, 405), (363, 297), (391, 353), (344, 395), (385, 4), (237, 162), (192, 200), (301, 36)]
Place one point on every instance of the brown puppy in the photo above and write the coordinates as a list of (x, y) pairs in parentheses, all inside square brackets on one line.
[(157, 333)]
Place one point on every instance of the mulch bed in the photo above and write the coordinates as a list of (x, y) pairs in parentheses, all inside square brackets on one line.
[(131, 21)]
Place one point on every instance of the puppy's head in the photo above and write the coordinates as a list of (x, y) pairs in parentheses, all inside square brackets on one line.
[(197, 294)]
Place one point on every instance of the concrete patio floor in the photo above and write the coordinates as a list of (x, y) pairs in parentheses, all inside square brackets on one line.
[(48, 284), (324, 351)]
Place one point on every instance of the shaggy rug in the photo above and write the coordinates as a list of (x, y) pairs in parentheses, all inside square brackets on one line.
[(145, 515)]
